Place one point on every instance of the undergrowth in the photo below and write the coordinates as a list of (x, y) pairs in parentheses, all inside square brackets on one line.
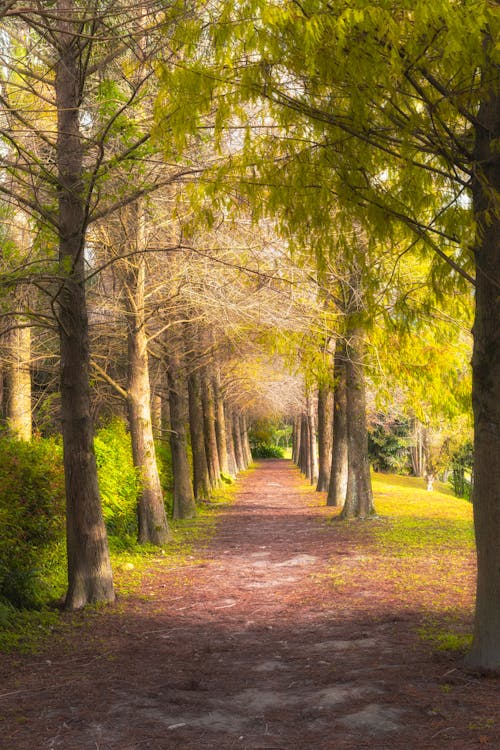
[(25, 630)]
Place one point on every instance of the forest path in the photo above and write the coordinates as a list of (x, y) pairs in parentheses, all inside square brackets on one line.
[(255, 646)]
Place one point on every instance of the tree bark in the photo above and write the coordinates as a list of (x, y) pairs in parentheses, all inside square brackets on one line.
[(18, 382), (207, 400), (417, 452), (18, 360), (359, 496), (152, 517), (220, 425), (245, 443), (305, 445), (338, 475), (238, 448), (325, 437), (201, 477), (184, 504), (231, 453), (89, 568), (296, 440), (312, 468), (485, 652)]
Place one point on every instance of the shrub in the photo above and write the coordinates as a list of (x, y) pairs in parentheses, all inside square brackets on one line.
[(119, 482), (31, 520), (266, 450), (164, 459)]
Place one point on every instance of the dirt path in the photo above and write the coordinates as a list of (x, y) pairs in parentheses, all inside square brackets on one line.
[(250, 649)]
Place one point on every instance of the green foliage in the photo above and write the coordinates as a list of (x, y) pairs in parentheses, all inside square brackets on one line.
[(388, 442), (266, 450), (164, 459), (462, 462), (31, 521), (118, 479)]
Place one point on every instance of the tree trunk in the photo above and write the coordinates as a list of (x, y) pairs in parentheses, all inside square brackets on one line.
[(231, 453), (245, 443), (485, 653), (184, 504), (325, 437), (201, 477), (220, 425), (152, 517), (89, 568), (312, 467), (238, 448), (305, 445), (296, 440), (18, 360), (338, 475), (359, 497), (18, 382), (417, 452), (207, 400)]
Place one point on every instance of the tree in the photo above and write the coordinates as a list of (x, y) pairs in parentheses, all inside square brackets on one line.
[(400, 106)]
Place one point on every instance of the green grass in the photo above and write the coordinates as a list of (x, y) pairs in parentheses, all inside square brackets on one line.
[(417, 554)]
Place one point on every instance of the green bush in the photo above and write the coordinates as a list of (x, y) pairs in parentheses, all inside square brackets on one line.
[(31, 520), (266, 450), (164, 459), (119, 482)]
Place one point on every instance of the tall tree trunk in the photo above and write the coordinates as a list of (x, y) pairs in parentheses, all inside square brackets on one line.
[(201, 477), (184, 504), (485, 653), (231, 453), (220, 424), (325, 437), (245, 443), (417, 453), (157, 415), (89, 568), (305, 445), (18, 360), (312, 469), (18, 381), (152, 517), (359, 497), (338, 475), (207, 400), (296, 439), (238, 448)]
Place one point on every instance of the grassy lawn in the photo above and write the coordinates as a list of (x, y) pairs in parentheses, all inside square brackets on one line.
[(417, 554)]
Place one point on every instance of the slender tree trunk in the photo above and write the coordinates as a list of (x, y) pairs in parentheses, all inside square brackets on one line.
[(157, 415), (89, 569), (305, 445), (359, 497), (18, 382), (18, 360), (220, 425), (245, 443), (152, 517), (296, 439), (238, 448), (325, 437), (312, 469), (231, 453), (201, 477), (485, 653), (417, 453), (207, 399), (338, 475), (184, 504)]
